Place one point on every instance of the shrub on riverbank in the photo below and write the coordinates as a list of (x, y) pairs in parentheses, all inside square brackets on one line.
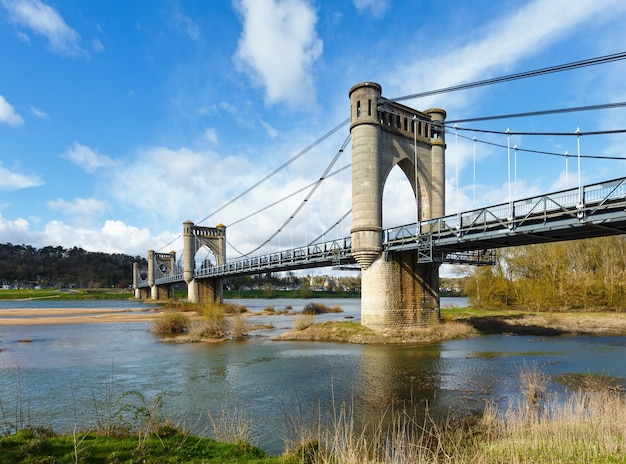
[(172, 323), (320, 308)]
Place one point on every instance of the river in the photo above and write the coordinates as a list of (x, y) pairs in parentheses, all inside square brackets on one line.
[(66, 375)]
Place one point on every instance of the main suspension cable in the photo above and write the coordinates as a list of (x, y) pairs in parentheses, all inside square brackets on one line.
[(312, 242), (540, 113), (279, 168), (334, 173), (540, 152), (522, 75), (313, 190), (268, 176), (576, 133)]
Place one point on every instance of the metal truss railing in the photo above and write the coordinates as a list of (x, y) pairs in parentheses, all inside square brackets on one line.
[(496, 226), (332, 253), (463, 238)]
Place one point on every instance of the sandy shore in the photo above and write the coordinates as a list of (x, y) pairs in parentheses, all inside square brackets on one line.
[(28, 316)]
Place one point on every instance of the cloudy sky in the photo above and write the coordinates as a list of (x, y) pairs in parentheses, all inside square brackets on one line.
[(120, 120)]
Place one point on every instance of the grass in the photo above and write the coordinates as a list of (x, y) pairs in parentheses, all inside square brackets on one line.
[(32, 446), (304, 321), (191, 322), (354, 332), (66, 294)]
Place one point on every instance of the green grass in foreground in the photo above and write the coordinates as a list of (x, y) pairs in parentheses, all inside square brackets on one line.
[(33, 446)]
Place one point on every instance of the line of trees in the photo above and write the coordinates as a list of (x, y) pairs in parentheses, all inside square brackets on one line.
[(575, 275), (24, 265)]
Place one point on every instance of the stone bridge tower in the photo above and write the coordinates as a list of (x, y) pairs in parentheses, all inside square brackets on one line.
[(397, 291), (214, 238)]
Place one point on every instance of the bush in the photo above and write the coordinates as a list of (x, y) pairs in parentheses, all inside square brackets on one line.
[(269, 310), (173, 323), (319, 308), (230, 308), (304, 321), (238, 327)]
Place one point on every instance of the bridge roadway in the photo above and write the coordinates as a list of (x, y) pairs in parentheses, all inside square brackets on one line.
[(469, 237)]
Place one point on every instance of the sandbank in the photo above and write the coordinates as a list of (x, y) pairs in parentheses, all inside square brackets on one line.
[(30, 316)]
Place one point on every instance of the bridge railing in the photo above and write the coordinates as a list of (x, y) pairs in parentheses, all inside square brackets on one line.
[(330, 253), (442, 239), (573, 205)]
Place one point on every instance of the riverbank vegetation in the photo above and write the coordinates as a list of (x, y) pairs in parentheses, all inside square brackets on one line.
[(579, 275), (24, 266), (66, 294), (586, 424), (186, 322)]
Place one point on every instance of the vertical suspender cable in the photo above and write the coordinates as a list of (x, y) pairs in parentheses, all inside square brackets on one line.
[(474, 180), (456, 165), (508, 153), (580, 188), (514, 172), (417, 197), (566, 170)]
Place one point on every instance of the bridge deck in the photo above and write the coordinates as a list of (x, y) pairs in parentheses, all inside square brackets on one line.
[(591, 211)]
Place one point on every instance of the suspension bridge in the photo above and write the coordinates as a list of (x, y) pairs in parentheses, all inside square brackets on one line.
[(400, 265)]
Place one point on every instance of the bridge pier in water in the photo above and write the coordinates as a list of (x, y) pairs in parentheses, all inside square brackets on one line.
[(397, 291), (155, 263), (208, 289)]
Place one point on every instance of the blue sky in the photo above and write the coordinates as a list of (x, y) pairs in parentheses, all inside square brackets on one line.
[(119, 120)]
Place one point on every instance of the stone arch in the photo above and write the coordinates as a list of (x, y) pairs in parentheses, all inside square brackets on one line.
[(194, 238)]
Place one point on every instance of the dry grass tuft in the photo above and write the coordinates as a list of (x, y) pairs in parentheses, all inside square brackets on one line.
[(238, 327), (319, 308), (304, 321), (172, 323)]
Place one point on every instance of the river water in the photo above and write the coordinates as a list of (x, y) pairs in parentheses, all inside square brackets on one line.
[(68, 375)]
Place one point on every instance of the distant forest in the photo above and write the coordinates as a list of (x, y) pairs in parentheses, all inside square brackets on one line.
[(26, 266)]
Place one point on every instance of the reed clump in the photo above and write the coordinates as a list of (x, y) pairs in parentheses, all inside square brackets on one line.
[(586, 425)]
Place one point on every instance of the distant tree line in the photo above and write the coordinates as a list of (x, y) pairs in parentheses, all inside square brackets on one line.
[(50, 266), (585, 274)]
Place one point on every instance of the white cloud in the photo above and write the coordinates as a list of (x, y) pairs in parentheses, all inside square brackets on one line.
[(377, 8), (41, 114), (210, 134), (97, 46), (8, 114), (187, 25), (10, 181), (14, 231), (45, 21), (182, 183), (524, 32), (113, 237), (87, 158), (278, 48), (271, 132), (82, 207)]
